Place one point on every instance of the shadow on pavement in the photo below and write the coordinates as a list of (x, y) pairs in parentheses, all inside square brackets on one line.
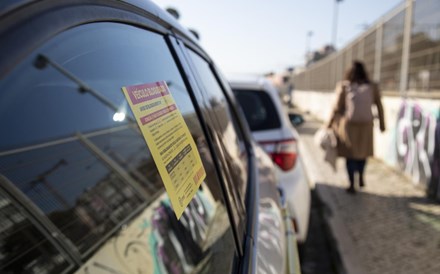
[(319, 255)]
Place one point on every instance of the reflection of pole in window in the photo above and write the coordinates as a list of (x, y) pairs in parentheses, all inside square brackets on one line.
[(42, 61), (42, 179)]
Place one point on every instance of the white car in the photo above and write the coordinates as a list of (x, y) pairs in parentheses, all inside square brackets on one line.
[(272, 129)]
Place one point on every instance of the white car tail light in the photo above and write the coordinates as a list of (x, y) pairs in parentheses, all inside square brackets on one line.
[(284, 153)]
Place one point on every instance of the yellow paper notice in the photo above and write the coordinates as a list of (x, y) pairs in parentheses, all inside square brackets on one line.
[(169, 140)]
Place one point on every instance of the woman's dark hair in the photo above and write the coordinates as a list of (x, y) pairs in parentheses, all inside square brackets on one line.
[(357, 73)]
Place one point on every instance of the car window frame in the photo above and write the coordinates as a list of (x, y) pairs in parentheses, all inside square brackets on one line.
[(252, 193), (232, 106), (184, 62), (247, 242)]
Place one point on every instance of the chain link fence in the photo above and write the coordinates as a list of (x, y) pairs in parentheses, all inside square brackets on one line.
[(401, 52)]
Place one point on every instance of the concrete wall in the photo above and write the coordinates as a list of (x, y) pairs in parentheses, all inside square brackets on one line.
[(411, 142)]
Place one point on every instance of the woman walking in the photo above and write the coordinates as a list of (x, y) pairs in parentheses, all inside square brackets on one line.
[(352, 120)]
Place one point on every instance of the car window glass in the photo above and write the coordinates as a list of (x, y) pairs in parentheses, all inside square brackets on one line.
[(228, 131), (23, 247), (258, 108), (90, 172)]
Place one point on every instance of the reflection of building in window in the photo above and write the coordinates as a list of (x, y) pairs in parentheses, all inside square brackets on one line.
[(88, 201), (84, 196), (23, 248), (97, 210)]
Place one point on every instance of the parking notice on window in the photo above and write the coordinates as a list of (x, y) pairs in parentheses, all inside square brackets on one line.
[(169, 140)]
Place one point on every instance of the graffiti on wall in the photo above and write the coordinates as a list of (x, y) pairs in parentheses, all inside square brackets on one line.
[(416, 144)]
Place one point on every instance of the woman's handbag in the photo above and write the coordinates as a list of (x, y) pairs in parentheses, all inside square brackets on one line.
[(326, 139)]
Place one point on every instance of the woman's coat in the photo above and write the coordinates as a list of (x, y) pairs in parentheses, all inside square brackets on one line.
[(355, 139)]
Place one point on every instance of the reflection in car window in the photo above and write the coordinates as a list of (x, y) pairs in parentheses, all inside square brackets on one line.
[(23, 247), (259, 109), (90, 172), (230, 144), (228, 130)]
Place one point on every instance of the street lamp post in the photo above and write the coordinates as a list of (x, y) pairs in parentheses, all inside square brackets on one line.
[(308, 43), (335, 23)]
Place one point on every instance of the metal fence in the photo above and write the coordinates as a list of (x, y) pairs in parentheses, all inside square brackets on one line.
[(401, 51)]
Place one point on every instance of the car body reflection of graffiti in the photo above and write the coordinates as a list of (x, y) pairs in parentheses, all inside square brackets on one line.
[(416, 143), (270, 233), (156, 242), (177, 244)]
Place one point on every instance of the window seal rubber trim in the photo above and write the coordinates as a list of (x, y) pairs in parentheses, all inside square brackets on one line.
[(178, 51)]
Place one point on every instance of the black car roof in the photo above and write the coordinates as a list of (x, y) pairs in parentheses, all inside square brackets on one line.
[(8, 7), (13, 13)]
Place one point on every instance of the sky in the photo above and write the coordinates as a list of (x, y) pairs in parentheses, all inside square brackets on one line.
[(261, 36)]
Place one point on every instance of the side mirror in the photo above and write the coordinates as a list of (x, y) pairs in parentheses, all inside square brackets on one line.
[(296, 119)]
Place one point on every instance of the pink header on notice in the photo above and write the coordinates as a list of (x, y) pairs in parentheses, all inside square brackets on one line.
[(147, 92), (157, 114)]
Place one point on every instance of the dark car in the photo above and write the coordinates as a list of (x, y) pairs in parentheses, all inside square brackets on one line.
[(81, 190)]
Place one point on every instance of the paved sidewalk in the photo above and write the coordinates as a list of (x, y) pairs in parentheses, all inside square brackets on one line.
[(388, 227)]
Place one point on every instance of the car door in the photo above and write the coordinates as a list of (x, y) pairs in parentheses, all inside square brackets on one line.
[(79, 189)]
